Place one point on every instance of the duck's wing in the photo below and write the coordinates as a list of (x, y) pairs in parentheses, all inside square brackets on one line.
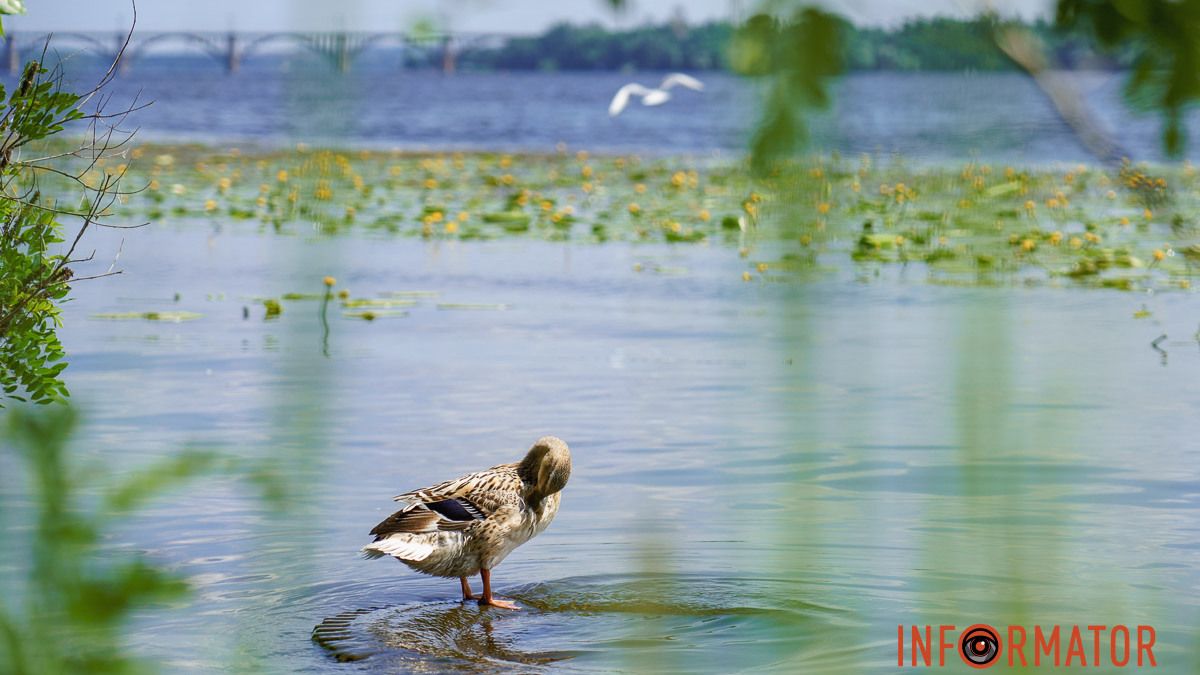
[(494, 485), (682, 80), (455, 504), (622, 98)]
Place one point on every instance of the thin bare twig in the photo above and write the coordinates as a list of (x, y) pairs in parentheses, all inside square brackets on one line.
[(94, 276), (120, 248), (104, 138)]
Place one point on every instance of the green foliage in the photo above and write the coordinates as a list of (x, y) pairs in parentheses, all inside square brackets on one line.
[(11, 7), (35, 277), (1165, 37), (799, 56), (1157, 38), (931, 44), (917, 45), (31, 356), (75, 600), (592, 47), (37, 109)]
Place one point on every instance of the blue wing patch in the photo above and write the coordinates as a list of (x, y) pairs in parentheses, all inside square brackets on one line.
[(456, 509)]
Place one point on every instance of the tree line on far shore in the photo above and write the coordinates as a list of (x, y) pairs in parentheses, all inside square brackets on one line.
[(920, 45)]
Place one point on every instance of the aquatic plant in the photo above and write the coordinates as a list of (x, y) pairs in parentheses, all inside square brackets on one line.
[(329, 283), (1084, 225)]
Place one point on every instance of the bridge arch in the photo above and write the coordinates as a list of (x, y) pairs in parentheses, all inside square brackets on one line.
[(206, 44), (339, 48), (258, 42), (92, 43)]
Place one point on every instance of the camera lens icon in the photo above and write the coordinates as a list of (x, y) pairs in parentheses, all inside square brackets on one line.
[(979, 645)]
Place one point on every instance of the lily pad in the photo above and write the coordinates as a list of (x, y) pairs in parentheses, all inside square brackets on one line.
[(409, 294), (371, 315), (173, 317), (382, 303), (472, 306)]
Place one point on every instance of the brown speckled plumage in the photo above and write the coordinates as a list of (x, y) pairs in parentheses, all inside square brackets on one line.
[(467, 525)]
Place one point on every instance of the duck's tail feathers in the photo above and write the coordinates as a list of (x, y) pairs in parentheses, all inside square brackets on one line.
[(398, 546)]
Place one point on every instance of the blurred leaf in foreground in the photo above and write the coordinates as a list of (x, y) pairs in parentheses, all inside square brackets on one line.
[(66, 612), (1166, 34), (798, 56)]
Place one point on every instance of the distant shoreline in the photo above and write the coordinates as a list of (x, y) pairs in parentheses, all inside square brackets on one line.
[(927, 45)]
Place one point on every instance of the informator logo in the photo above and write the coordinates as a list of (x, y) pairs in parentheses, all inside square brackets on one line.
[(983, 646), (979, 645)]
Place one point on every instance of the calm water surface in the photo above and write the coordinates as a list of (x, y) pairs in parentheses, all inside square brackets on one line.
[(768, 477), (939, 117)]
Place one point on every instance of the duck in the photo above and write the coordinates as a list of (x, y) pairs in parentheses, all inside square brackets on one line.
[(468, 525)]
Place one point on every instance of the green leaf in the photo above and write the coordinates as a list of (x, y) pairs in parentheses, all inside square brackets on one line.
[(148, 483)]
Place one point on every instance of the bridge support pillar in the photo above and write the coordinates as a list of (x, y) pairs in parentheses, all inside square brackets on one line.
[(342, 54), (120, 57), (449, 56), (12, 56), (233, 59)]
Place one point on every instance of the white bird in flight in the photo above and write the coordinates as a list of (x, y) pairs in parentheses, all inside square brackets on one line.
[(649, 96)]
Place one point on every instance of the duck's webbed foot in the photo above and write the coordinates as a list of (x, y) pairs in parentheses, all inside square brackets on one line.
[(489, 600), (497, 602)]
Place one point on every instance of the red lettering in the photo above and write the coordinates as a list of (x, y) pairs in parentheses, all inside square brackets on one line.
[(1112, 646), (925, 648), (1096, 631), (1042, 646), (1075, 647), (943, 645), (1016, 646), (1146, 645)]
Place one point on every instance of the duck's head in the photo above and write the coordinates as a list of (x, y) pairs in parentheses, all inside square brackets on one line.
[(546, 467)]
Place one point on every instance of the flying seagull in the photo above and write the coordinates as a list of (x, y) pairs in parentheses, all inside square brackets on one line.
[(649, 96)]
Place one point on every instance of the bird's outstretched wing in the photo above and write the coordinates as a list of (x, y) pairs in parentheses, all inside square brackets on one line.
[(622, 98), (682, 80)]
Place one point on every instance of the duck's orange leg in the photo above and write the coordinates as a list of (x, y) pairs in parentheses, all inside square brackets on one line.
[(488, 598), (466, 589)]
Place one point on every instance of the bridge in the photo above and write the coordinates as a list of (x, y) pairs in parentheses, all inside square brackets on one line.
[(230, 49)]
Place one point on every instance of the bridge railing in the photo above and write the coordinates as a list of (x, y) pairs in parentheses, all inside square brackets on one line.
[(232, 48)]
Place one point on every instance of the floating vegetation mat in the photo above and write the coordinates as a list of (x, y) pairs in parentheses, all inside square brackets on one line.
[(173, 317), (371, 315), (1127, 228), (468, 306)]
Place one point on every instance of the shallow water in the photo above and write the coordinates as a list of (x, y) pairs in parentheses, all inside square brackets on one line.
[(767, 477)]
